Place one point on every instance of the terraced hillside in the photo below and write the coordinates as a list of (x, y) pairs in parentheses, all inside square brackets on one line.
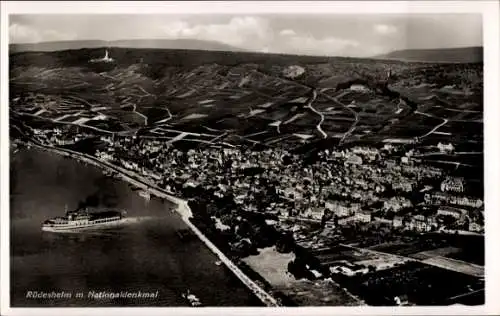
[(222, 98)]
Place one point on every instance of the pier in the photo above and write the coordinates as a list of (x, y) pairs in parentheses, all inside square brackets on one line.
[(145, 194), (182, 209)]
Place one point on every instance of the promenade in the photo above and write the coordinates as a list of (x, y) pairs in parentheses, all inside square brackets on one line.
[(182, 209)]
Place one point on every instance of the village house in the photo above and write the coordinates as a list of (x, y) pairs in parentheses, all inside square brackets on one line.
[(466, 201), (475, 227), (452, 184), (445, 148), (403, 185), (353, 160), (347, 219), (420, 223), (337, 208), (363, 216), (348, 270), (435, 197), (314, 213), (451, 211), (396, 203), (382, 220), (330, 224), (397, 221)]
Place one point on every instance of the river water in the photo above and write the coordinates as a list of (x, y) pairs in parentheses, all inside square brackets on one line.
[(146, 255)]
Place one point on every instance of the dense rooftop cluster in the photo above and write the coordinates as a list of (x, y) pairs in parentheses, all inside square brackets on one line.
[(348, 183), (354, 195)]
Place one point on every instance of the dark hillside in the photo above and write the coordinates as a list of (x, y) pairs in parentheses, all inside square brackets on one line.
[(170, 57), (139, 43), (441, 55)]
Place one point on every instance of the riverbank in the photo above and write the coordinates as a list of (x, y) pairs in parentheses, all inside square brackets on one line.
[(182, 209)]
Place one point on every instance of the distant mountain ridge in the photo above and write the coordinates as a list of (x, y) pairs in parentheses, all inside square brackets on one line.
[(188, 44), (438, 55)]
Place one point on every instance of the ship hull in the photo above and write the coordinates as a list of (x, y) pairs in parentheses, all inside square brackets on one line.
[(68, 228)]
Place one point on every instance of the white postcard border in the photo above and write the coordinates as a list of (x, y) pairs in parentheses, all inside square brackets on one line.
[(490, 12)]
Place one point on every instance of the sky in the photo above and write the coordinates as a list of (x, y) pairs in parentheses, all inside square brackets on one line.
[(353, 35)]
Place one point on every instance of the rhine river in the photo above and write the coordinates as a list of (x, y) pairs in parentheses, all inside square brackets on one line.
[(146, 255)]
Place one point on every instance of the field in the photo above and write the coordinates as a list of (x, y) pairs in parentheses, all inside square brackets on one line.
[(340, 255), (455, 265), (435, 252), (273, 267), (469, 249), (421, 284), (403, 248), (247, 99)]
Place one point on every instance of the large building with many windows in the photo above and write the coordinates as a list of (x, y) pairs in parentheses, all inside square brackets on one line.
[(452, 185)]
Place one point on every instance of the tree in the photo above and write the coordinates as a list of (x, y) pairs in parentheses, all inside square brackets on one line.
[(298, 269), (245, 229), (327, 215), (287, 160), (285, 243)]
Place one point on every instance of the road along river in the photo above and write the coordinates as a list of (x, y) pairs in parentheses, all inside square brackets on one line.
[(146, 256)]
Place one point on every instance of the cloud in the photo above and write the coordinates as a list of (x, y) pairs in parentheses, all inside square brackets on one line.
[(287, 32), (376, 50), (325, 46), (19, 33), (239, 31), (385, 29)]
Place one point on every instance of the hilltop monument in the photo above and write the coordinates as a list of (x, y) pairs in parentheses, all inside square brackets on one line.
[(105, 59)]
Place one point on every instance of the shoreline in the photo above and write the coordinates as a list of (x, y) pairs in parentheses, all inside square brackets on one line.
[(182, 208)]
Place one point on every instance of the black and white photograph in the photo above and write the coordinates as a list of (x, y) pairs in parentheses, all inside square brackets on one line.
[(173, 158)]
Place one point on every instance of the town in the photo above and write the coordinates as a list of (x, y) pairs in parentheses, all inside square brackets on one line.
[(358, 184), (346, 213), (252, 160)]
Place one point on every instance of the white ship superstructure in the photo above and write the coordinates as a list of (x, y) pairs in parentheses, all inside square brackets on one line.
[(84, 219)]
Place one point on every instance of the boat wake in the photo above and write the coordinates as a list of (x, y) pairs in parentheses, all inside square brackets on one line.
[(137, 219)]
